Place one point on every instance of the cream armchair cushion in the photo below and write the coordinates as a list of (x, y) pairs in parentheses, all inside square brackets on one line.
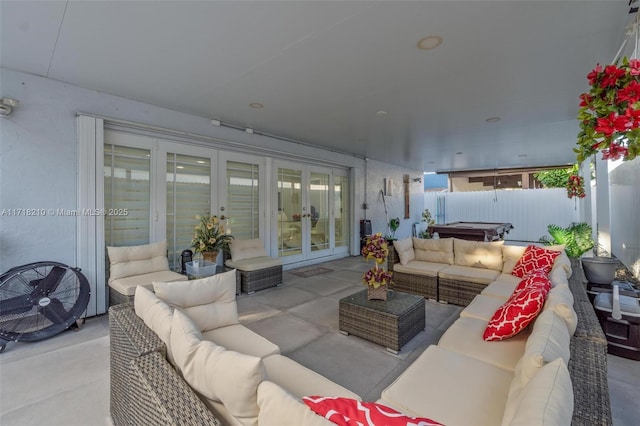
[(218, 375), (210, 302), (137, 260), (247, 249)]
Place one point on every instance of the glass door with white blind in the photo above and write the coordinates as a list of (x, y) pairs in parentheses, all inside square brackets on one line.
[(188, 186), (127, 189), (241, 195)]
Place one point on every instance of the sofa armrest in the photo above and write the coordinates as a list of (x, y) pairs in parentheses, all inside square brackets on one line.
[(159, 396)]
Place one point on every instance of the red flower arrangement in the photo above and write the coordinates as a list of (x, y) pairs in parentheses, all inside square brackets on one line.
[(376, 248), (610, 112), (575, 186)]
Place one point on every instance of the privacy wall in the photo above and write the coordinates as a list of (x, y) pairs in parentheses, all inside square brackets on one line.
[(624, 195)]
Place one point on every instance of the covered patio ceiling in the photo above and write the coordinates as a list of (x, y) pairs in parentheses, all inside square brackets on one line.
[(501, 90)]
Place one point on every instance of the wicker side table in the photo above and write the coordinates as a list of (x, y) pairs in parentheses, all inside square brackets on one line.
[(390, 324)]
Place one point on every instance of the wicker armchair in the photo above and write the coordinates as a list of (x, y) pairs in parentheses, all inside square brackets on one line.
[(257, 269)]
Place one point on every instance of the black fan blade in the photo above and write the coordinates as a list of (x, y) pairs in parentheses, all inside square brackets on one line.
[(50, 283), (55, 312), (16, 305)]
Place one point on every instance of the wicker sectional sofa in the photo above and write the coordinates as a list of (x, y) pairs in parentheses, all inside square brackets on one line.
[(462, 380), (453, 270)]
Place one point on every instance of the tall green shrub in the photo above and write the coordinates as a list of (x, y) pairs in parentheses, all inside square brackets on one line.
[(576, 238)]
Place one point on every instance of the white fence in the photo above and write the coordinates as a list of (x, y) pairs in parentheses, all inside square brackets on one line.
[(529, 211)]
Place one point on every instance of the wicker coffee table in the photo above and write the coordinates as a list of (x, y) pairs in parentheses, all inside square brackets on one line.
[(390, 324)]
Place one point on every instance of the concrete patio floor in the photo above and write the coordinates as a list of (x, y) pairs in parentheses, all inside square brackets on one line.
[(64, 380)]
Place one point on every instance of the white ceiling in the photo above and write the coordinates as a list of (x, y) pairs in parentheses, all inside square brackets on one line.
[(323, 69)]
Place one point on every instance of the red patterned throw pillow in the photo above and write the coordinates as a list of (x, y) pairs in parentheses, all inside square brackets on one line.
[(534, 258), (538, 277), (516, 313), (350, 412)]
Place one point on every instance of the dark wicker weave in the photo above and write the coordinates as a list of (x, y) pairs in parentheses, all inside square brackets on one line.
[(145, 389), (253, 281), (117, 298), (588, 363), (587, 368), (392, 258), (458, 292), (415, 284), (390, 324)]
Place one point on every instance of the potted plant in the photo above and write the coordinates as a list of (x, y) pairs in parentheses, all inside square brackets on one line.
[(426, 217), (376, 278), (210, 237), (394, 224), (609, 112), (576, 238)]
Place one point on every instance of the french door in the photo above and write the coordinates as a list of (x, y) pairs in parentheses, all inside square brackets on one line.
[(311, 211)]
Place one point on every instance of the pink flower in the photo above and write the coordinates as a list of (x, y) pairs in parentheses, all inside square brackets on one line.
[(634, 67)]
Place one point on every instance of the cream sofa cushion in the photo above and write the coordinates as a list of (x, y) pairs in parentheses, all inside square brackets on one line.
[(137, 260), (247, 249), (502, 288), (465, 337), (127, 285), (482, 307), (156, 314), (217, 374), (404, 248), (548, 341), (451, 388), (301, 381), (210, 302), (279, 407), (560, 299), (239, 338), (478, 254), (437, 251), (254, 263), (510, 256), (420, 267), (547, 400), (469, 274)]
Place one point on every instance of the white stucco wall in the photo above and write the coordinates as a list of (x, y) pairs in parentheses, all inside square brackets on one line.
[(376, 173), (38, 160), (624, 194)]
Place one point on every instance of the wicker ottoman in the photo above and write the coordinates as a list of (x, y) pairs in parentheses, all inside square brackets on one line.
[(390, 324)]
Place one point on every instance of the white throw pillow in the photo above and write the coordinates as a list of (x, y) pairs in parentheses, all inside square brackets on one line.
[(547, 400), (247, 249), (210, 302), (279, 407), (404, 248), (560, 299), (156, 314), (218, 375), (436, 251), (478, 254), (549, 340)]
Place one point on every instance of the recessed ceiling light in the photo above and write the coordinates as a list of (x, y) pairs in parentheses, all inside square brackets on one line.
[(492, 119), (522, 155), (381, 113), (459, 153), (429, 42), (256, 105), (179, 167), (431, 162), (201, 162)]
